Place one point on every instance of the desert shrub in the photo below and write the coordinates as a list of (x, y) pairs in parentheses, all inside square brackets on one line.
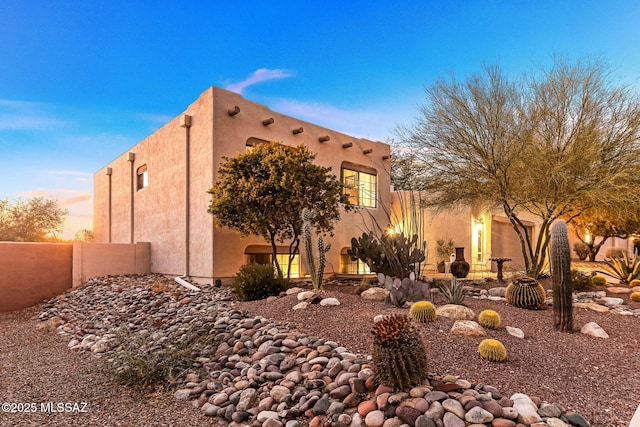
[(598, 281), (492, 350), (399, 357), (362, 286), (635, 297), (624, 269), (145, 364), (581, 249), (423, 311), (256, 281), (582, 282), (489, 319), (618, 253)]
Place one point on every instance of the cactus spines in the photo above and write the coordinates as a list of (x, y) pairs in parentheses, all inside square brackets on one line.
[(525, 292), (492, 350), (635, 297), (560, 259), (316, 272), (399, 357), (423, 311), (489, 319)]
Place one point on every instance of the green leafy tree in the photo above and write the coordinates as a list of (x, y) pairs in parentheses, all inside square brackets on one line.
[(84, 235), (33, 220), (551, 145), (263, 191)]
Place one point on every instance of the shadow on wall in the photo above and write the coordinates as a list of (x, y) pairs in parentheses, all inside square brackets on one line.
[(33, 272)]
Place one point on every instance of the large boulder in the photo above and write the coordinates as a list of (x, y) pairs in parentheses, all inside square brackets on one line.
[(456, 312)]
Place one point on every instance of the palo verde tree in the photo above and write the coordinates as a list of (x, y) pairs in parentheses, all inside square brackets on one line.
[(33, 220), (263, 191), (552, 145)]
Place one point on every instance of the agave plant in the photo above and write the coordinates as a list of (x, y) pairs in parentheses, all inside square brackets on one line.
[(455, 293), (623, 269)]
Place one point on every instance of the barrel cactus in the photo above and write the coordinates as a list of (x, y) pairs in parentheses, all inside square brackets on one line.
[(492, 350), (599, 281), (525, 292), (634, 283), (489, 319), (399, 357), (635, 297), (423, 311)]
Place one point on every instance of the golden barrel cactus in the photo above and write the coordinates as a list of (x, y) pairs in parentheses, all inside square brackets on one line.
[(492, 350), (489, 319), (423, 311)]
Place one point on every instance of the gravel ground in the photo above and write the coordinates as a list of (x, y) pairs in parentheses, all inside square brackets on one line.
[(597, 378), (37, 368)]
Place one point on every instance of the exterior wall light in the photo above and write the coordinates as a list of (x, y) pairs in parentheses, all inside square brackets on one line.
[(233, 111), (324, 138)]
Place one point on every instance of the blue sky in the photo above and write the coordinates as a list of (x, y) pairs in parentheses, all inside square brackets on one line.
[(81, 82)]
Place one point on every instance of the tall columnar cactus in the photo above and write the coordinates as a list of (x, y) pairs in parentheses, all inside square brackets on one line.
[(560, 259), (316, 272), (399, 357)]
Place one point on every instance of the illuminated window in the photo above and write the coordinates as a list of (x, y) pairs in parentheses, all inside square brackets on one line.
[(283, 260), (348, 266), (261, 254), (360, 185), (142, 177)]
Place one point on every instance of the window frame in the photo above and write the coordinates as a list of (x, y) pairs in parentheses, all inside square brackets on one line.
[(142, 177), (366, 197)]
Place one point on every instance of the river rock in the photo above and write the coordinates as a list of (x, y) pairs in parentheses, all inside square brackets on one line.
[(527, 410), (468, 328), (593, 329), (454, 311)]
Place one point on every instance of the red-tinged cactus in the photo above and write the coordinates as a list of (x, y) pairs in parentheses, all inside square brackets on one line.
[(399, 357)]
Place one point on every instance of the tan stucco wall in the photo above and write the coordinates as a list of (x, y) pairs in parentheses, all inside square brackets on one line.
[(160, 211), (33, 272), (102, 259)]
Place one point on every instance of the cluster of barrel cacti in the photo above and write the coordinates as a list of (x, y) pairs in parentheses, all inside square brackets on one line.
[(489, 319), (423, 311), (492, 350), (316, 272), (399, 357), (526, 292)]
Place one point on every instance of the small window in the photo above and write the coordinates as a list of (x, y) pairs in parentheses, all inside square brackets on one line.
[(360, 185), (142, 177)]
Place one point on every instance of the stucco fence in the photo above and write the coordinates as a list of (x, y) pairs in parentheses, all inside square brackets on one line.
[(33, 272)]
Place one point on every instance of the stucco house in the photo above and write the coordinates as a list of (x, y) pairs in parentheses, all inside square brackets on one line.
[(157, 191)]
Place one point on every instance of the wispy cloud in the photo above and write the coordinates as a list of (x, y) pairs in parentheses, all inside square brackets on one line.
[(65, 197), (23, 115), (372, 124), (79, 175), (258, 76)]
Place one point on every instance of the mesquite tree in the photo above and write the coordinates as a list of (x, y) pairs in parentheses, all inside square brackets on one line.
[(560, 259)]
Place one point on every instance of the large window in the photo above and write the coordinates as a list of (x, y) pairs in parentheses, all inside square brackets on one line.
[(360, 185), (348, 266), (261, 254), (142, 177)]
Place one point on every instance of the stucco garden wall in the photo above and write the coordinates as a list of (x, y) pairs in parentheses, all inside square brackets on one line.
[(103, 259), (33, 272)]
